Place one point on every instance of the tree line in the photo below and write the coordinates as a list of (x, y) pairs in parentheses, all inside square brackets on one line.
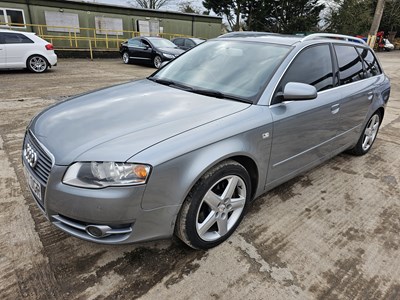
[(351, 17)]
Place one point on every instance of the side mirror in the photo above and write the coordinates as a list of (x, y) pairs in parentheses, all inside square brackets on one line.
[(299, 91)]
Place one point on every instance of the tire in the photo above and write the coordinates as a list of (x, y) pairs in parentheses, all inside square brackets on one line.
[(125, 58), (37, 64), (215, 206), (368, 135), (157, 61)]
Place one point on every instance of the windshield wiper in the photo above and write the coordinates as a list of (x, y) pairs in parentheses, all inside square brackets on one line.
[(162, 81), (205, 92), (170, 83), (218, 94)]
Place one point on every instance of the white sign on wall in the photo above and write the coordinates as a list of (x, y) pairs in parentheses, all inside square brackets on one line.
[(149, 28), (63, 22), (144, 27), (110, 26), (154, 28)]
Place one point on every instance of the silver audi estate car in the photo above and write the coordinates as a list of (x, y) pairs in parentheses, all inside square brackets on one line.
[(185, 150)]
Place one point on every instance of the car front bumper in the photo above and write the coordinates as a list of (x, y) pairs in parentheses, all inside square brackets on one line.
[(75, 210)]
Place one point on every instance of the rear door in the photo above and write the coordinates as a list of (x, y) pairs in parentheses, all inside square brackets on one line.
[(357, 92), (304, 131)]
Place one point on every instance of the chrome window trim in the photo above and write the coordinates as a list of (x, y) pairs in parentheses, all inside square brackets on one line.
[(333, 88)]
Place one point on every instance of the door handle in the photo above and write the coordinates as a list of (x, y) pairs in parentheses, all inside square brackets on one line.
[(335, 108)]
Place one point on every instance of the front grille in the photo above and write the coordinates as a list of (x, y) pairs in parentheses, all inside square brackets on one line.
[(44, 162)]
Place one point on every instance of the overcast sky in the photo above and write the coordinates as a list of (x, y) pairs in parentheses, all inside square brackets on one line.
[(173, 5)]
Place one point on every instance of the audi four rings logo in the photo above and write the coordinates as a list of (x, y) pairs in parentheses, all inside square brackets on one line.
[(30, 155)]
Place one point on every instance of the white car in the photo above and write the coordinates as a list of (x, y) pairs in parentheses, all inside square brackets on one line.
[(19, 50)]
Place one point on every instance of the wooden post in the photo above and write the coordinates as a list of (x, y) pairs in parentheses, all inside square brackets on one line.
[(376, 22)]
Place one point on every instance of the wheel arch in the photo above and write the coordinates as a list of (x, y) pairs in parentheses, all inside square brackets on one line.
[(35, 54), (381, 111), (29, 55), (251, 168), (179, 178)]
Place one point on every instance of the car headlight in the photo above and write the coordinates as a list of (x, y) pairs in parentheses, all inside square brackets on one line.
[(167, 55), (103, 174)]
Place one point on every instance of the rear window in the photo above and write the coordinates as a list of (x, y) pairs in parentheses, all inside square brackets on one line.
[(371, 65), (350, 64)]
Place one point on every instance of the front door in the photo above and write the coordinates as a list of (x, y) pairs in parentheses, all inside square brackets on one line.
[(304, 131)]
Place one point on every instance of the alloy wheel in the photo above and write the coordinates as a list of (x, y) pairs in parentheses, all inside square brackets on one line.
[(221, 208), (370, 132), (157, 62), (38, 64), (125, 57)]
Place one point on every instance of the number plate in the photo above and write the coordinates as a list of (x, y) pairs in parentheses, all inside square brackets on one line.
[(34, 185)]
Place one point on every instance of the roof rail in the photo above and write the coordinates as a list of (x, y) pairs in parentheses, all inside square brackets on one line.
[(333, 36)]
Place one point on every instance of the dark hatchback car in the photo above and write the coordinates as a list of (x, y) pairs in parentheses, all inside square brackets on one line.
[(187, 43), (153, 50)]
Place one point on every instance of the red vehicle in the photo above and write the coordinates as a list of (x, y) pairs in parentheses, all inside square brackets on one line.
[(383, 43)]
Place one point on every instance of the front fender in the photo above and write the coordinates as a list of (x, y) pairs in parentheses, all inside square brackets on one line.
[(172, 179)]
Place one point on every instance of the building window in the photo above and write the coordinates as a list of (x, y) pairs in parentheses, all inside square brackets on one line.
[(10, 17)]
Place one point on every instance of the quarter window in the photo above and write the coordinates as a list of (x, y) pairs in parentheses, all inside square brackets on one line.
[(12, 17), (370, 62), (350, 64), (312, 66)]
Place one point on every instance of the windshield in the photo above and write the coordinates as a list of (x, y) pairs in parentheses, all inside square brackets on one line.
[(162, 43), (234, 68)]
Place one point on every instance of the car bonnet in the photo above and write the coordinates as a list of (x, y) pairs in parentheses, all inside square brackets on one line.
[(115, 123)]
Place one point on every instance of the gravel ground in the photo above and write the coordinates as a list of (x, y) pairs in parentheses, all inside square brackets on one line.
[(332, 233)]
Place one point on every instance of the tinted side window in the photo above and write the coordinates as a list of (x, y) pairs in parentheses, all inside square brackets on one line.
[(189, 43), (144, 43), (178, 42), (134, 43), (312, 66), (350, 64), (15, 38), (371, 65)]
